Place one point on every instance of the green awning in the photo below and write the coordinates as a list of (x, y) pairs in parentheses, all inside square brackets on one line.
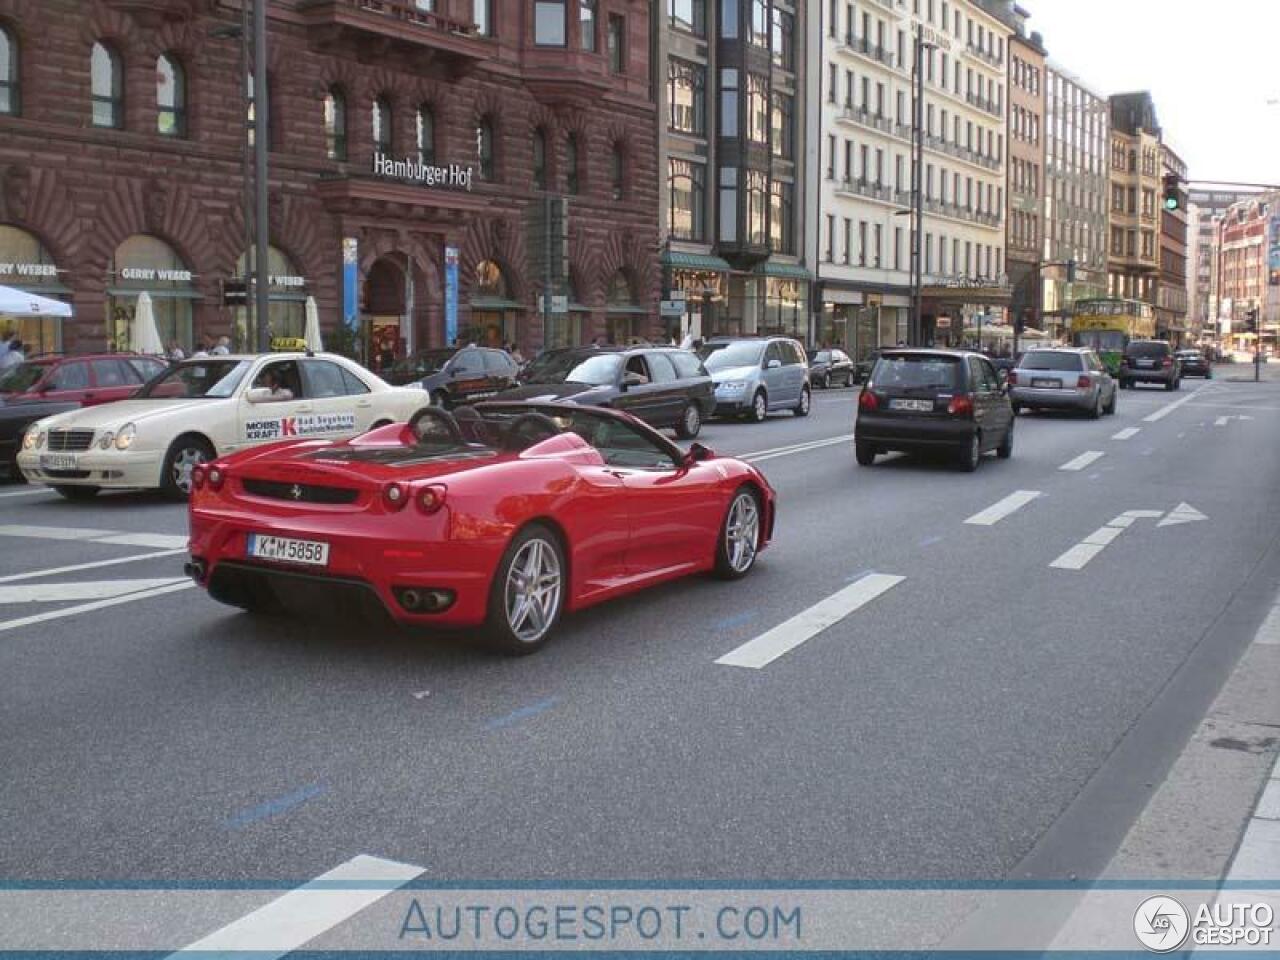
[(679, 260), (786, 271), (494, 303)]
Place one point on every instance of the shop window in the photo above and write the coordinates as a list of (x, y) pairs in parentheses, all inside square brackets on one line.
[(539, 159), (286, 295), (426, 130), (617, 171), (171, 97), (572, 180), (587, 23), (335, 124), (549, 23), (107, 87), (28, 266), (10, 87), (146, 263), (484, 148), (383, 124)]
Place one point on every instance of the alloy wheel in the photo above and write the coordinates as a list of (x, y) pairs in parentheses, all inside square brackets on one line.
[(759, 407), (186, 460), (532, 593), (692, 420), (742, 533)]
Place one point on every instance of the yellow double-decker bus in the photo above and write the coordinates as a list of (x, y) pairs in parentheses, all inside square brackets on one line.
[(1107, 324)]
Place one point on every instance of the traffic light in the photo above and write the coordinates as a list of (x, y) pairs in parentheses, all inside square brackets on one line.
[(1252, 317), (1172, 196), (1071, 271)]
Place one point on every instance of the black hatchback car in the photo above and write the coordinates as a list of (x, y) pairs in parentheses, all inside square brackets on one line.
[(1195, 364), (663, 386), (923, 400), (1150, 361), (456, 375)]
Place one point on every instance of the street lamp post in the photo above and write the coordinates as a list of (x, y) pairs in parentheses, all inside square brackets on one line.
[(915, 333), (261, 124)]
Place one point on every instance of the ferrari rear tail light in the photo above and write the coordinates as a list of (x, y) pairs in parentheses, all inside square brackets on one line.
[(1083, 383), (961, 406), (868, 401), (1012, 379), (395, 496), (216, 477), (197, 477), (431, 498)]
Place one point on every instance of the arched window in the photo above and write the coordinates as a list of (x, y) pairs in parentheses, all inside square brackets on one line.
[(571, 183), (484, 148), (616, 171), (171, 97), (539, 159), (107, 87), (620, 291), (382, 125), (287, 295), (335, 124), (10, 88), (489, 281), (148, 263), (426, 135)]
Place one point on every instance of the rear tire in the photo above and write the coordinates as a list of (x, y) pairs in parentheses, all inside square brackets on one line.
[(806, 400), (865, 454), (1110, 408), (825, 382), (739, 541), (1005, 450), (1095, 412), (759, 408), (1017, 408), (76, 493), (690, 422), (527, 593), (971, 455)]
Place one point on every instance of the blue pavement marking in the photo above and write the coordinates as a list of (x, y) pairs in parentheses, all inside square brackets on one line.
[(524, 713), (279, 805)]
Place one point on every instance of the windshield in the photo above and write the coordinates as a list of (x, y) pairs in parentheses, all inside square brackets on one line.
[(597, 369), (202, 379), (1051, 360), (738, 353), (421, 364), (1148, 348), (923, 373), (1099, 339), (22, 377), (822, 356)]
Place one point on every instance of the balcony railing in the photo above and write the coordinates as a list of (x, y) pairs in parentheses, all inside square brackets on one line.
[(983, 55), (862, 46), (867, 188)]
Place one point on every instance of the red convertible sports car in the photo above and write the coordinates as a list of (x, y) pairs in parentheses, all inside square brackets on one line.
[(502, 515)]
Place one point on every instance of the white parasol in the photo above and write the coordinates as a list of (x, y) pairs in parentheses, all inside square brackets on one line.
[(145, 338), (314, 343)]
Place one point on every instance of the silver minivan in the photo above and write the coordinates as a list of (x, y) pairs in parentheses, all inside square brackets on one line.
[(756, 375), (1062, 378)]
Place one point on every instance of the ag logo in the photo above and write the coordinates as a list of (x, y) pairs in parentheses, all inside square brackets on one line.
[(1161, 924)]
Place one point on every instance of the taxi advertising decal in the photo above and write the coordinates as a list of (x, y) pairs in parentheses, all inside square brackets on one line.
[(282, 428)]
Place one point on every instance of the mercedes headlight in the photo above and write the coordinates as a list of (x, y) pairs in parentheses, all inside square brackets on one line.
[(29, 438), (125, 435), (105, 440)]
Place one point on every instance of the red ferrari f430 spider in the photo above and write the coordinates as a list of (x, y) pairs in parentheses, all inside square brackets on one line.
[(503, 517)]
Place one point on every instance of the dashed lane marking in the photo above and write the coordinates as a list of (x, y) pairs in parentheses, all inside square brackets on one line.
[(1003, 508), (1168, 408), (90, 607), (81, 590), (1082, 461), (56, 571), (785, 637), (161, 541), (1126, 433)]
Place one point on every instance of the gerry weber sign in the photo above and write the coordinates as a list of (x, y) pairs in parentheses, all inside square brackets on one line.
[(455, 175)]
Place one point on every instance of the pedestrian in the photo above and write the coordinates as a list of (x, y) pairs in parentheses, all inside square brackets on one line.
[(14, 356), (176, 351), (223, 347), (687, 342)]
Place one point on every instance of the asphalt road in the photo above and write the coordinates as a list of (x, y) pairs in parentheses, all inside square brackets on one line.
[(940, 731)]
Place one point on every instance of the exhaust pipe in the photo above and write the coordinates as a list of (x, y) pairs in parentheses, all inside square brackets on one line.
[(196, 570)]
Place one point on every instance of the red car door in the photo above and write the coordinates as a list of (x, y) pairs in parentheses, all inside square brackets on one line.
[(69, 383), (113, 380)]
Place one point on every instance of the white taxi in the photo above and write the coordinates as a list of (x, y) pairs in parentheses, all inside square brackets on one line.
[(202, 408)]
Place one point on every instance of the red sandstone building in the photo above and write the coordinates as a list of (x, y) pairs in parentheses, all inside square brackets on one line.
[(122, 130)]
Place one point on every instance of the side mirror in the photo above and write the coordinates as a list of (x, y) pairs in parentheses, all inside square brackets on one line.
[(772, 364), (258, 395), (698, 453)]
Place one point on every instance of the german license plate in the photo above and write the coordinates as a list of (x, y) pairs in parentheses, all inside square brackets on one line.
[(1146, 363), (1042, 382), (917, 405), (310, 553), (58, 461)]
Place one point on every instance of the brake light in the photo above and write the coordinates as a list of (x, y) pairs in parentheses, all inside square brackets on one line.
[(1012, 379), (216, 476), (1167, 362), (394, 496), (431, 498), (961, 406), (868, 401), (1083, 383), (197, 477)]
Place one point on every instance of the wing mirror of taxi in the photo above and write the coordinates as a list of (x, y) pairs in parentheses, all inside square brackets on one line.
[(258, 395)]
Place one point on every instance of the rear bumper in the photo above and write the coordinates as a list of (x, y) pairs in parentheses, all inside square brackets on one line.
[(1059, 399), (1132, 375), (906, 433)]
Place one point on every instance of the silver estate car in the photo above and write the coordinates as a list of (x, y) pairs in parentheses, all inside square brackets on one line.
[(1062, 378)]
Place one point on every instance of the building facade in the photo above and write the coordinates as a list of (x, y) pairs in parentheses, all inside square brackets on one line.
[(731, 152), (1024, 223), (1077, 150), (122, 143), (1171, 292), (1206, 207), (1136, 189), (862, 166), (1249, 270)]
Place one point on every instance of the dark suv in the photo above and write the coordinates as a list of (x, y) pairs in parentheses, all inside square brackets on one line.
[(1150, 361), (456, 375), (663, 386), (921, 400)]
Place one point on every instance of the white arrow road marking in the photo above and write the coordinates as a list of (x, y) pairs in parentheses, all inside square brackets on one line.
[(84, 590), (1223, 421), (161, 541), (1126, 433), (282, 926), (786, 636), (1182, 513), (1082, 461), (1003, 508), (1079, 556)]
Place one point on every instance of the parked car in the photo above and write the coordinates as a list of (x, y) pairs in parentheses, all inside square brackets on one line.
[(666, 387), (830, 366), (203, 408), (862, 368), (1065, 378), (922, 400), (84, 380), (756, 375), (1195, 364), (1150, 361), (456, 375), (15, 418), (516, 513)]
